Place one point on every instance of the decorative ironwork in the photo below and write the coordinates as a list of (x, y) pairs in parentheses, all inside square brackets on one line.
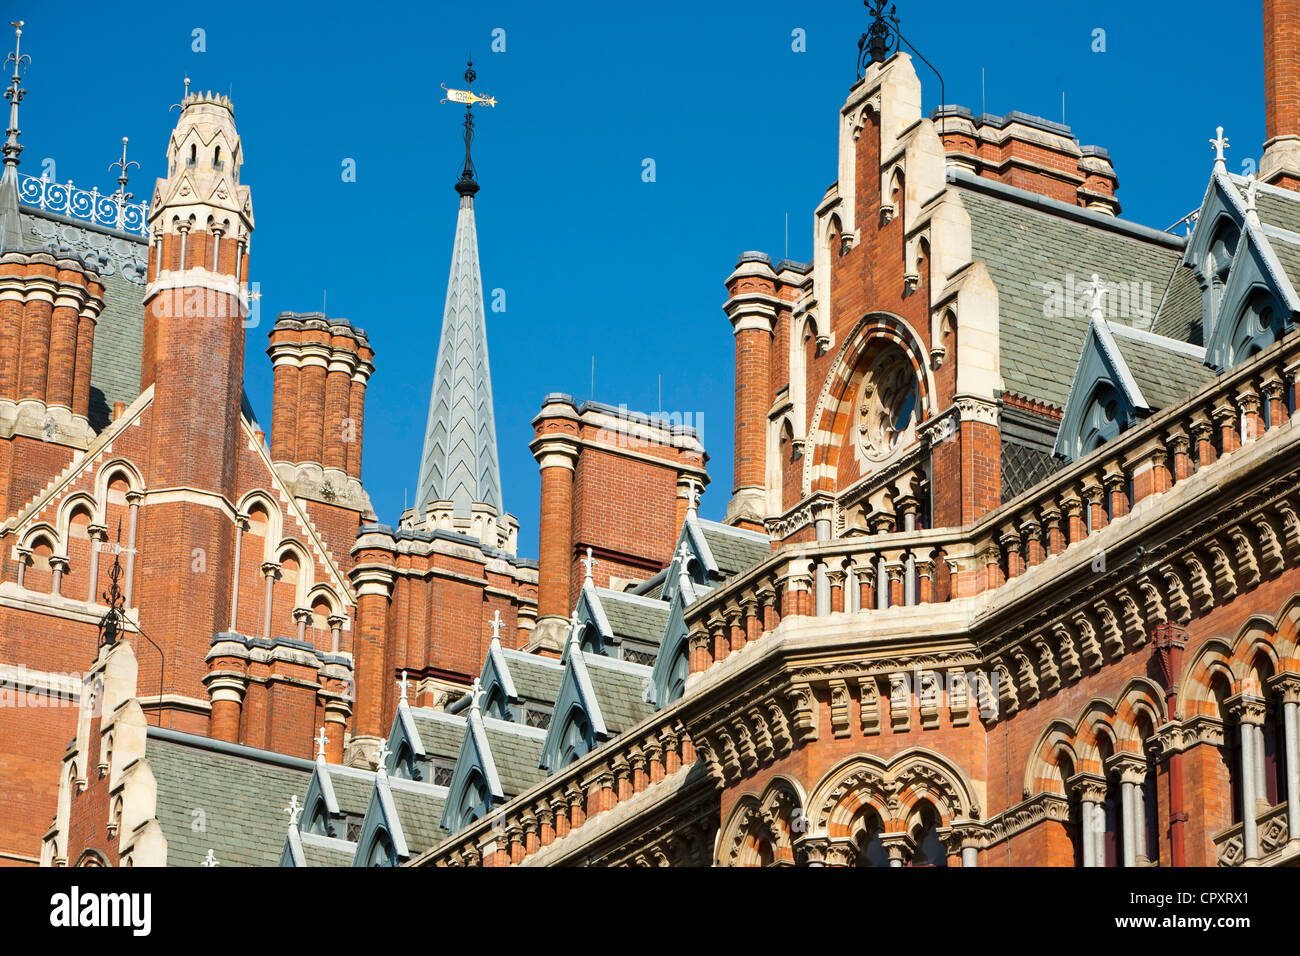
[(881, 40), (114, 211), (14, 94), (110, 625), (468, 184), (122, 196)]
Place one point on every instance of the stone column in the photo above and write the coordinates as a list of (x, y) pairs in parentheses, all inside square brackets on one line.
[(1250, 713), (1287, 687), (134, 499), (270, 569), (1092, 793), (98, 535), (58, 565), (241, 525), (1132, 773)]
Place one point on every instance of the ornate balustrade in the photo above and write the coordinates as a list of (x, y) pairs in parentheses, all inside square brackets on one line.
[(658, 751), (1272, 836), (1109, 487), (113, 211)]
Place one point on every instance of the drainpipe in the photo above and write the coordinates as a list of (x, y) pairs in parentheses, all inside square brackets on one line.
[(1169, 641)]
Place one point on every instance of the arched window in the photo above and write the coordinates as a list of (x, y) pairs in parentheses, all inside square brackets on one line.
[(576, 740), (929, 851), (382, 852), (888, 405), (1260, 323), (871, 849), (1106, 417)]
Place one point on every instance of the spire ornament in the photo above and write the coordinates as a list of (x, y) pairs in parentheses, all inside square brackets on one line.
[(321, 741), (468, 184), (880, 40), (14, 94), (1219, 144), (122, 164)]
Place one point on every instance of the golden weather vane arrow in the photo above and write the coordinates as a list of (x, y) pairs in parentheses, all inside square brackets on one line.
[(468, 184)]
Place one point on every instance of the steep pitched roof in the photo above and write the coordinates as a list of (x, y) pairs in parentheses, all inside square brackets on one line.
[(460, 461), (1032, 245), (240, 793)]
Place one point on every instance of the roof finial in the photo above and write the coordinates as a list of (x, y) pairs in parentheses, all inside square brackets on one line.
[(496, 625), (122, 195), (294, 809), (321, 741), (1252, 189), (1220, 143), (381, 757), (1095, 294), (181, 104), (589, 562), (15, 93), (468, 184), (403, 684), (693, 501), (476, 696), (210, 860)]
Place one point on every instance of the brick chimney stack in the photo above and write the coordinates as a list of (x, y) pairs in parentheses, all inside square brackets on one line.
[(322, 366), (1281, 162)]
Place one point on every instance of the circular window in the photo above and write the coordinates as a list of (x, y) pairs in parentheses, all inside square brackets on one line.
[(887, 405)]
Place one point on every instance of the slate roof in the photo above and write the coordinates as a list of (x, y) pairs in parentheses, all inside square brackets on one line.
[(733, 549), (1028, 242), (642, 619), (240, 793), (119, 332), (351, 788), (419, 808), (440, 732), (517, 753), (325, 851), (536, 678), (1164, 374), (1276, 206), (1181, 316), (620, 688), (1288, 256)]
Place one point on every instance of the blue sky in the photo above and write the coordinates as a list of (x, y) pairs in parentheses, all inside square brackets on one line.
[(593, 260)]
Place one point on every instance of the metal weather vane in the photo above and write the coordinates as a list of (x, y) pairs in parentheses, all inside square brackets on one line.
[(15, 93), (125, 166), (468, 184), (110, 625), (881, 39)]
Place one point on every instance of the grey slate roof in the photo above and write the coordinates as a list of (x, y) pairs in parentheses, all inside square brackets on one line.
[(517, 753), (1288, 255), (419, 808), (733, 549), (1181, 312), (620, 688), (1025, 247), (642, 619), (239, 798), (536, 678), (440, 732), (324, 851), (1277, 207), (351, 788), (1165, 376), (120, 259), (460, 461)]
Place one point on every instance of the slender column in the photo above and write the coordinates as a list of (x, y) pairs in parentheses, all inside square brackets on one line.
[(969, 856), (1250, 713), (335, 622), (1092, 792), (98, 534), (1087, 820), (24, 559), (59, 565), (133, 498), (241, 525), (269, 569), (1287, 687)]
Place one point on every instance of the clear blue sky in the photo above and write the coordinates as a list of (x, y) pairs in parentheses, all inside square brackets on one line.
[(592, 259)]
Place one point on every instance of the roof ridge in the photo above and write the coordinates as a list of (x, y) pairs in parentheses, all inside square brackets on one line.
[(1156, 339), (211, 745)]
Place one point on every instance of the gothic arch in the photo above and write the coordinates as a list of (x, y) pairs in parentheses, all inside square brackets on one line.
[(1044, 772), (79, 501), (291, 547), (833, 412), (110, 471), (274, 519), (891, 790), (761, 830)]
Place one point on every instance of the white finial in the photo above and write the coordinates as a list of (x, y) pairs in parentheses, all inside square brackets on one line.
[(476, 695), (321, 741), (294, 811), (381, 757), (210, 860), (590, 562), (1095, 294), (693, 501), (1220, 143), (496, 625), (1252, 190), (683, 557), (403, 684)]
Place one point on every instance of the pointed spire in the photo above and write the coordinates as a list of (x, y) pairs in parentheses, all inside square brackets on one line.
[(11, 236), (589, 562), (321, 741), (124, 167), (403, 685), (459, 462), (1219, 144), (496, 625)]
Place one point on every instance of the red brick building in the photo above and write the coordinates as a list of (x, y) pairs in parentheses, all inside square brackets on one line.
[(1010, 573)]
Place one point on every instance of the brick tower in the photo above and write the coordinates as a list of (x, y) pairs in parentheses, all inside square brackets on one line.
[(200, 219)]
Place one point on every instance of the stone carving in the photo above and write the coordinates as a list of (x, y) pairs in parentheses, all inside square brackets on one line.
[(886, 409)]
